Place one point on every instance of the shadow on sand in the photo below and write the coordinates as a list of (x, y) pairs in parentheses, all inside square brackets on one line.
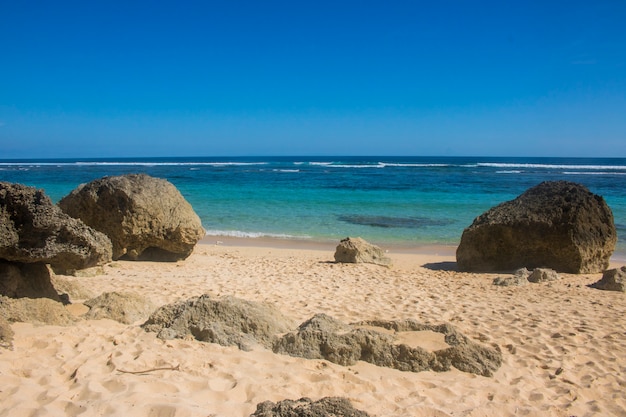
[(441, 266)]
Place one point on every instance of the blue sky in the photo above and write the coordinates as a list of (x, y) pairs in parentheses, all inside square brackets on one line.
[(228, 78)]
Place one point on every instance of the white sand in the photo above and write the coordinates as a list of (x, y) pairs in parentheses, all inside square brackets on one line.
[(564, 344)]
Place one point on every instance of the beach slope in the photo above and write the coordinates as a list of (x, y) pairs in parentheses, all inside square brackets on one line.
[(563, 343)]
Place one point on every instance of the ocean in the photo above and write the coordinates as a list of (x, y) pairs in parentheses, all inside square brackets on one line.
[(390, 201)]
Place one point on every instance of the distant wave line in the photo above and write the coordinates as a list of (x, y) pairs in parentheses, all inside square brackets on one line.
[(357, 166), (376, 165), (415, 165), (254, 235), (550, 166), (129, 163), (592, 173), (217, 164), (317, 163), (325, 164)]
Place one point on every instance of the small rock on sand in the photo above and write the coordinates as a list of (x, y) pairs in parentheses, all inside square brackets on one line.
[(124, 307), (305, 407), (612, 280)]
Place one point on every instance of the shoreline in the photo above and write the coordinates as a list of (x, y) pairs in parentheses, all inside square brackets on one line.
[(322, 245), (438, 250)]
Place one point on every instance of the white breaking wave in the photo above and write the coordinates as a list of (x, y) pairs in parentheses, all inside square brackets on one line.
[(130, 163), (335, 165), (33, 164), (137, 163), (394, 164), (239, 233), (379, 165), (550, 166), (592, 173)]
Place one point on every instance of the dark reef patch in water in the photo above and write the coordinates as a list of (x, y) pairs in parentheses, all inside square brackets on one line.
[(393, 222)]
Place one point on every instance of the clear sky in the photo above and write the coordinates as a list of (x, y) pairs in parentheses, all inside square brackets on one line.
[(226, 78)]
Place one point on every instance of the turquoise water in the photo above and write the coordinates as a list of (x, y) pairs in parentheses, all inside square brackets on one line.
[(407, 201)]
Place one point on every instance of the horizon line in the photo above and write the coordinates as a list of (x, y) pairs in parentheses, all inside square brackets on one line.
[(297, 156)]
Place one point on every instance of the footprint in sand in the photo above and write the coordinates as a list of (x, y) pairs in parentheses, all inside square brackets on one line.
[(222, 382), (114, 385)]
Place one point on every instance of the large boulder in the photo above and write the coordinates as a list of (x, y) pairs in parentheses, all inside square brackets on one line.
[(357, 250), (33, 230), (146, 218), (305, 407), (228, 321), (557, 224)]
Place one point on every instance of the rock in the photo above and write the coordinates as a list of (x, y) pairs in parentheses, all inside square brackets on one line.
[(470, 357), (557, 224), (36, 311), (87, 272), (305, 407), (126, 308), (146, 218), (226, 321), (357, 250), (19, 280), (323, 337), (520, 277), (612, 280), (71, 288), (6, 334), (33, 230), (543, 275), (523, 276)]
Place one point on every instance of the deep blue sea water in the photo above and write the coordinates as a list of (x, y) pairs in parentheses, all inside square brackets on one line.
[(406, 201)]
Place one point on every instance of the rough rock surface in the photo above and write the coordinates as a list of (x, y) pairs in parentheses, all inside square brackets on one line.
[(226, 321), (543, 275), (127, 308), (612, 280), (305, 407), (87, 272), (6, 334), (323, 337), (519, 277), (357, 250), (71, 288), (146, 218), (32, 230), (557, 224), (232, 321), (26, 280), (37, 311)]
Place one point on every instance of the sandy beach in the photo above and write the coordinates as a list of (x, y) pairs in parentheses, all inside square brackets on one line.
[(563, 343)]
